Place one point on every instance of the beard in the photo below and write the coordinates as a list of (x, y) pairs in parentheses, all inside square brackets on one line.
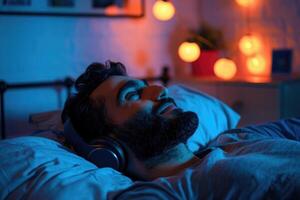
[(149, 135)]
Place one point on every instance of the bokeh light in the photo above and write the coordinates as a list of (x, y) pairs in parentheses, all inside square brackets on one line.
[(245, 3), (256, 65), (163, 10), (189, 51), (249, 45), (225, 68)]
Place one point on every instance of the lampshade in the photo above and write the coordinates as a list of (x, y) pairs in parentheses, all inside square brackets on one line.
[(249, 45), (189, 51), (245, 3), (163, 10), (256, 65), (225, 68)]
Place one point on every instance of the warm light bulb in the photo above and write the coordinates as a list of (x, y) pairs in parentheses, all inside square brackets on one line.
[(163, 10), (249, 45), (256, 65), (245, 3), (189, 51), (225, 68)]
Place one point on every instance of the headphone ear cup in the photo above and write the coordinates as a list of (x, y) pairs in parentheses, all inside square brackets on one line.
[(104, 152), (108, 151)]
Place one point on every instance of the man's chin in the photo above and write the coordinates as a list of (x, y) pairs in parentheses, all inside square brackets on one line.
[(185, 124), (151, 136), (181, 126)]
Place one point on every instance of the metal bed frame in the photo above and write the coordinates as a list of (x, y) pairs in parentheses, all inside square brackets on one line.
[(67, 83)]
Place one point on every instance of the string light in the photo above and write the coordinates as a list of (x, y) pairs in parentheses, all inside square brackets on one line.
[(256, 65), (189, 51), (225, 68), (163, 10), (245, 3), (249, 45)]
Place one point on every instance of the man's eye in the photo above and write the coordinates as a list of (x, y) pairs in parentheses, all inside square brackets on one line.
[(132, 96)]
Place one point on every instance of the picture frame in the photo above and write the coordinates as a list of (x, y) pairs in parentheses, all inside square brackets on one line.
[(74, 8)]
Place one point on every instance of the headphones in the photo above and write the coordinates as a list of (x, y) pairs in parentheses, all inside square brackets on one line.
[(103, 152)]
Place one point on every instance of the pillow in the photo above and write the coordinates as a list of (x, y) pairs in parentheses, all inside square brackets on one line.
[(39, 168), (214, 115)]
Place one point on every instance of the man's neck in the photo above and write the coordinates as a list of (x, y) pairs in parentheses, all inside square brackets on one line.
[(172, 162)]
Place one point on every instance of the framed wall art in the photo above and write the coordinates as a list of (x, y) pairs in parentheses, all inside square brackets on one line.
[(282, 60), (75, 8)]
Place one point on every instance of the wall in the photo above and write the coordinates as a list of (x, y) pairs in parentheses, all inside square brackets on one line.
[(49, 48), (36, 48), (275, 22)]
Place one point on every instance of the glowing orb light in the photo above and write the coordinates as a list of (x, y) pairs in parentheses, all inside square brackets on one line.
[(163, 10), (249, 45), (245, 3), (225, 68), (256, 65), (189, 51)]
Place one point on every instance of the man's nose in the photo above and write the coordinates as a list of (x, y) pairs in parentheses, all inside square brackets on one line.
[(156, 92)]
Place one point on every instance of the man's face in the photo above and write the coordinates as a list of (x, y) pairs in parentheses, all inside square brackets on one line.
[(125, 96), (146, 119)]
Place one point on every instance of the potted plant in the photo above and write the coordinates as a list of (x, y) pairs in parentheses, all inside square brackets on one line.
[(211, 42)]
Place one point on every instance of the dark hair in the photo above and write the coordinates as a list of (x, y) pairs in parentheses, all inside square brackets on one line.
[(89, 116)]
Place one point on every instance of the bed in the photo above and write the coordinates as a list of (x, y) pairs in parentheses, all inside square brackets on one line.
[(254, 162)]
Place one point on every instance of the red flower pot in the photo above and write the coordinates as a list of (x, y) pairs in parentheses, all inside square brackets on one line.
[(204, 66)]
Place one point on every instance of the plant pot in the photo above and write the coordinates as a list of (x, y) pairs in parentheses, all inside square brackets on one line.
[(204, 66)]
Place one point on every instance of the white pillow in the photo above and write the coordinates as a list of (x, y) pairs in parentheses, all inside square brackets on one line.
[(39, 168), (214, 115)]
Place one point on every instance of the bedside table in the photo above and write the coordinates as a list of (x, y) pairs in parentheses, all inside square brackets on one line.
[(257, 100)]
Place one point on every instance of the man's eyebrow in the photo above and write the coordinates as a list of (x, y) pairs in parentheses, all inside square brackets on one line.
[(129, 84)]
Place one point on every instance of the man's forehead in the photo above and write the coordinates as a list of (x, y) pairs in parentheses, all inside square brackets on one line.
[(111, 85)]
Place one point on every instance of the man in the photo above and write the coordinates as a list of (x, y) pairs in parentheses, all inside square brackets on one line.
[(256, 162), (142, 117)]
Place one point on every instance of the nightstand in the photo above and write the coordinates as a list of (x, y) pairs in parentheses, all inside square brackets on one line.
[(257, 100)]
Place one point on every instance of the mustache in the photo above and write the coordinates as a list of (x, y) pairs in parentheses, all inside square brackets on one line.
[(161, 103)]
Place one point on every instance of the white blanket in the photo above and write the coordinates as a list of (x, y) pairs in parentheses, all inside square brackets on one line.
[(256, 162), (241, 165), (268, 169)]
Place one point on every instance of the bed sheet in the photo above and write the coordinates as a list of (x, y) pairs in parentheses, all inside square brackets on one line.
[(256, 162), (223, 175), (246, 163)]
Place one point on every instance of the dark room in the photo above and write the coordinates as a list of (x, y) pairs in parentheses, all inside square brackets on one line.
[(149, 99)]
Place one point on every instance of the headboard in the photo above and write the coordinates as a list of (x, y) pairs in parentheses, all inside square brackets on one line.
[(67, 83)]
